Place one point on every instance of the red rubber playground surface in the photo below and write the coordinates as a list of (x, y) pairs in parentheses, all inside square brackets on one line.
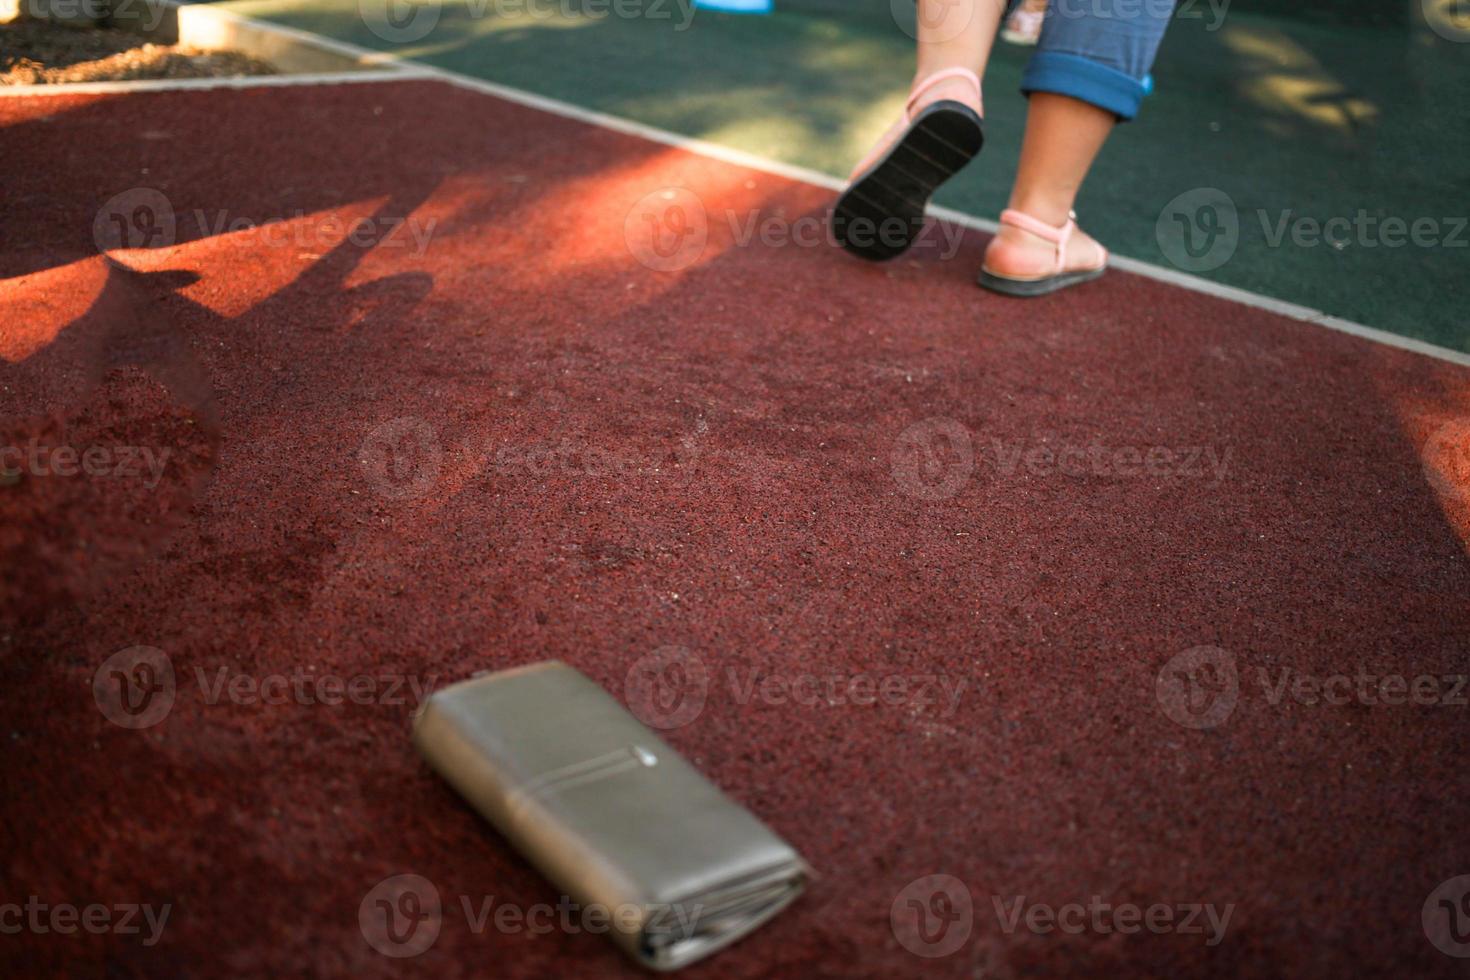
[(585, 420)]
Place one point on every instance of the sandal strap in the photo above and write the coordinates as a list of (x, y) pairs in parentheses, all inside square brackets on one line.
[(1057, 236), (943, 75)]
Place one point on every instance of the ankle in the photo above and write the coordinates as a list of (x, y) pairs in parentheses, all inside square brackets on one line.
[(1052, 209), (954, 89)]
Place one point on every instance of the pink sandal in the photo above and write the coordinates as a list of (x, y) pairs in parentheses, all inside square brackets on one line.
[(882, 211), (1060, 277)]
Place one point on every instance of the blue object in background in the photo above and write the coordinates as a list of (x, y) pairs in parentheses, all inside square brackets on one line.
[(1148, 84), (737, 6)]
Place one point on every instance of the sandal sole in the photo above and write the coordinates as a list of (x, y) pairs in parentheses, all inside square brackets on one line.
[(1037, 287), (882, 211)]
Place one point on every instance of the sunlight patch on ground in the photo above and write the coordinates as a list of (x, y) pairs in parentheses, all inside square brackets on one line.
[(1438, 428), (35, 308), (1285, 79), (241, 265)]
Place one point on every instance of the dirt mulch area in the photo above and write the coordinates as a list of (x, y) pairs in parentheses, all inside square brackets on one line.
[(37, 52)]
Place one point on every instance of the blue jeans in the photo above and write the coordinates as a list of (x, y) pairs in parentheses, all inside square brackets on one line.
[(1099, 51)]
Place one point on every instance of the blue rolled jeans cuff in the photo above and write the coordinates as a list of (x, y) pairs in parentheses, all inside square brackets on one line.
[(1081, 78)]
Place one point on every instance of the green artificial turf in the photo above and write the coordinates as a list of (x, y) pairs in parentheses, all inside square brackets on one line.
[(1295, 121)]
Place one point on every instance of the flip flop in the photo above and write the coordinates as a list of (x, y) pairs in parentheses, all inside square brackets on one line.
[(1060, 277), (882, 211)]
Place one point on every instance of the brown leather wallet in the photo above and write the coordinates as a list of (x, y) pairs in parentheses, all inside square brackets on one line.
[(608, 812)]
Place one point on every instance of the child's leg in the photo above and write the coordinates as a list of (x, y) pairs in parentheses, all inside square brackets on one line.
[(955, 34), (1063, 137), (952, 34), (1086, 75), (882, 211)]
